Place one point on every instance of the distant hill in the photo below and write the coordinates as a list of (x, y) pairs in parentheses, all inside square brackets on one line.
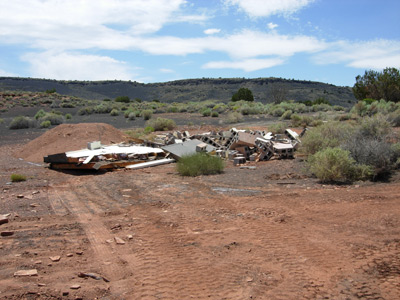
[(220, 89)]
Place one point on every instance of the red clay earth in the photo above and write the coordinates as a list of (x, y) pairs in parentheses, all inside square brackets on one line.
[(268, 233)]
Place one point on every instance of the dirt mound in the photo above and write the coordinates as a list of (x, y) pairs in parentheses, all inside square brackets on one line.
[(68, 137)]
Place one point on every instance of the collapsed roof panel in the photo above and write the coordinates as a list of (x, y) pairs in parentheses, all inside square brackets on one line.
[(186, 148)]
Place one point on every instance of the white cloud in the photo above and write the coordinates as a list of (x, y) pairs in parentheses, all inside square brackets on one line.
[(247, 65), (377, 54), (43, 20), (7, 74), (255, 43), (272, 26), (76, 25), (167, 71), (212, 31), (72, 66), (252, 44), (266, 8)]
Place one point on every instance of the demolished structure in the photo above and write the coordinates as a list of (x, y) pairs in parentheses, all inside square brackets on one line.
[(236, 145)]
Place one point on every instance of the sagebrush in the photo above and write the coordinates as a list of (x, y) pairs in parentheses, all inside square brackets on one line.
[(199, 164)]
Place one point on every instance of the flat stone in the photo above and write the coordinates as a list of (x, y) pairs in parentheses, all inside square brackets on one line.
[(55, 258), (35, 204), (20, 196), (119, 241), (75, 287), (249, 279), (70, 254), (41, 284), (32, 272), (79, 252), (129, 236), (35, 192)]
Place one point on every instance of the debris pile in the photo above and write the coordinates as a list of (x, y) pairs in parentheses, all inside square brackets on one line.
[(97, 156), (236, 145), (247, 145)]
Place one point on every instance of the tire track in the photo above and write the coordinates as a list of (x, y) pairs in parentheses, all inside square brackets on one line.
[(78, 203)]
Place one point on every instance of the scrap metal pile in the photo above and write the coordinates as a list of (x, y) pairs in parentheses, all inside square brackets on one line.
[(237, 145)]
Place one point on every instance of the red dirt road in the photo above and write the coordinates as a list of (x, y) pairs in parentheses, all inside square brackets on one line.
[(245, 234)]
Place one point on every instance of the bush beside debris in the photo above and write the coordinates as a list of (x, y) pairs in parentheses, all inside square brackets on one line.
[(337, 165), (199, 164), (370, 146), (161, 124), (17, 178), (147, 114)]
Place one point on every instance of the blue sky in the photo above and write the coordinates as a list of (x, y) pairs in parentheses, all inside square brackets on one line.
[(330, 41)]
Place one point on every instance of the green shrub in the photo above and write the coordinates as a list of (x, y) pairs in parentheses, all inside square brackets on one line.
[(67, 105), (377, 127), (330, 134), (380, 155), (199, 164), (55, 104), (371, 144), (322, 107), (321, 100), (278, 111), (369, 100), (336, 165), (127, 112), (68, 116), (57, 112), (17, 177), (147, 114), (102, 109), (161, 124), (21, 122), (206, 112), (394, 118), (215, 114), (124, 99), (233, 117), (302, 121), (277, 128), (50, 91), (114, 112), (286, 115), (54, 119), (360, 109), (173, 109), (338, 108), (1, 121), (295, 120), (220, 107), (88, 110), (131, 116), (45, 124), (148, 130), (40, 114)]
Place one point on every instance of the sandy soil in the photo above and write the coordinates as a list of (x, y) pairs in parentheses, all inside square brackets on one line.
[(268, 233)]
